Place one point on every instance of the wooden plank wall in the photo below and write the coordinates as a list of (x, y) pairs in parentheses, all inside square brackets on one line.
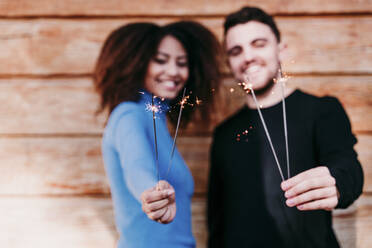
[(53, 188)]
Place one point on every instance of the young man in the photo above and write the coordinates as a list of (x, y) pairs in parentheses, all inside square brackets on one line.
[(248, 204)]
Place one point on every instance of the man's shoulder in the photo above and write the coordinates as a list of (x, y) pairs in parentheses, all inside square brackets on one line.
[(230, 123), (316, 102)]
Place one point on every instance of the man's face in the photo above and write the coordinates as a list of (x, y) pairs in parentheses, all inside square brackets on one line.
[(253, 53)]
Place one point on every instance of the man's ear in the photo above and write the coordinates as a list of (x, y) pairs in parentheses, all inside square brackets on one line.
[(283, 51)]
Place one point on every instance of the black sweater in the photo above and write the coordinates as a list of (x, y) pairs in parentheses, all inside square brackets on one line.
[(246, 206)]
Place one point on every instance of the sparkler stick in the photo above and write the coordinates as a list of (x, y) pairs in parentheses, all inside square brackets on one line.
[(153, 108), (250, 87), (281, 79), (175, 135)]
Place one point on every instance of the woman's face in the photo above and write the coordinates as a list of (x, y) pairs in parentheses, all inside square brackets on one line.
[(168, 69)]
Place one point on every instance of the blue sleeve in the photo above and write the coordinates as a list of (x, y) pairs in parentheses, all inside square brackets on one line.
[(135, 145)]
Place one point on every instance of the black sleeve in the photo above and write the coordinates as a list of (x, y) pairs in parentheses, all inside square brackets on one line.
[(215, 199), (334, 145)]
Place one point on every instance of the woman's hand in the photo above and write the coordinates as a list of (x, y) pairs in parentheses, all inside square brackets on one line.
[(159, 202)]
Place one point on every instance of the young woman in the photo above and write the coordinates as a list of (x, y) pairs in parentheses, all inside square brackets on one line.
[(139, 61)]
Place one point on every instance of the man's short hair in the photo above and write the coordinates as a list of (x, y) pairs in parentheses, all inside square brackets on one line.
[(247, 14)]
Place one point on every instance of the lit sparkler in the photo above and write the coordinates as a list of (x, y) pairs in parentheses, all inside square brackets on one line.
[(282, 80), (154, 110), (248, 87), (182, 103)]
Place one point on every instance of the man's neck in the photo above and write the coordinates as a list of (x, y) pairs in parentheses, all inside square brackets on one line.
[(268, 97)]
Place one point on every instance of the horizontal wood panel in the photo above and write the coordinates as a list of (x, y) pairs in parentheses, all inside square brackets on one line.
[(49, 106), (54, 166), (53, 46), (34, 166), (176, 7), (67, 106), (57, 222), (88, 222)]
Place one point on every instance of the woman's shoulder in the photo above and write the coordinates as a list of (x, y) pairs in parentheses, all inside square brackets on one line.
[(132, 114)]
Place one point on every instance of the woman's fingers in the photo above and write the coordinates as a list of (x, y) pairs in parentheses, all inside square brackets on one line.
[(159, 202), (152, 195), (154, 206)]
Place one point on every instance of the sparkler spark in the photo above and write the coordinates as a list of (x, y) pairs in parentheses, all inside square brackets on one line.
[(152, 108), (198, 101)]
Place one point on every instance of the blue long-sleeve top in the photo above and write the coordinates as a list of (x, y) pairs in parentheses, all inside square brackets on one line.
[(129, 158)]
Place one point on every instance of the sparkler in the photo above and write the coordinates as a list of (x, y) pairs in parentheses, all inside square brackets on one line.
[(182, 103), (154, 110), (281, 81), (250, 87)]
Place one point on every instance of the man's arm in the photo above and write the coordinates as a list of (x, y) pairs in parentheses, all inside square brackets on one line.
[(338, 179)]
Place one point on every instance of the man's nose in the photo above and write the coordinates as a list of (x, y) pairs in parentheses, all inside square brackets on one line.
[(248, 55)]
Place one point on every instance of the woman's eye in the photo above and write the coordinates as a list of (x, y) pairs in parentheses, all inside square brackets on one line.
[(182, 63), (160, 60)]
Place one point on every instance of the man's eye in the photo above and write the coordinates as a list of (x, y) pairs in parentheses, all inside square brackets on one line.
[(259, 43), (234, 51)]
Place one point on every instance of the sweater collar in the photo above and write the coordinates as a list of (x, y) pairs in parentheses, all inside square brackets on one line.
[(161, 105)]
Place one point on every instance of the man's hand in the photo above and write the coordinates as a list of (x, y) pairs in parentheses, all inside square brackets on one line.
[(159, 202), (311, 190)]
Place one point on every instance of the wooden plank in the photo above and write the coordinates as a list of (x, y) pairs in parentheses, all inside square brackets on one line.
[(68, 166), (49, 106), (54, 46), (88, 222), (364, 148), (57, 222), (176, 7), (67, 106), (35, 166)]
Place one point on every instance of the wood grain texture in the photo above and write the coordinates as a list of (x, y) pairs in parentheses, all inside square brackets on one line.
[(51, 166), (176, 7), (49, 106), (70, 166), (69, 46), (57, 222), (67, 106), (88, 222)]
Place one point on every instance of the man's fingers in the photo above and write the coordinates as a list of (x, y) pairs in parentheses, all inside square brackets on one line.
[(326, 204), (310, 184), (312, 195), (311, 173)]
